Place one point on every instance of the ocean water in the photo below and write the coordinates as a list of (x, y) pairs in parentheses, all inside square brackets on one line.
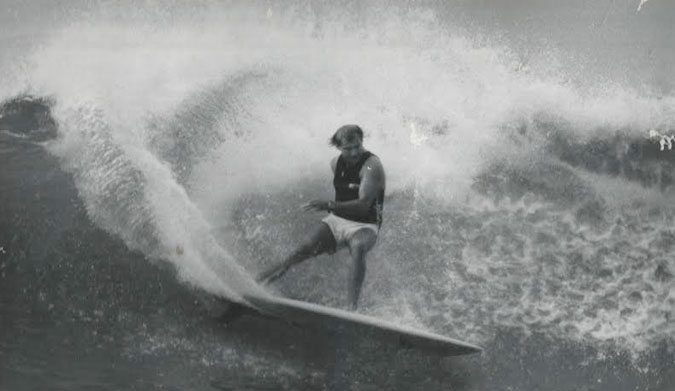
[(155, 155)]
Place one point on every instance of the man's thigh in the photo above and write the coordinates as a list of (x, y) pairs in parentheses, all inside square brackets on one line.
[(322, 239)]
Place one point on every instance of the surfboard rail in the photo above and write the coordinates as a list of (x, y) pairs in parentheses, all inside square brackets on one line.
[(311, 314)]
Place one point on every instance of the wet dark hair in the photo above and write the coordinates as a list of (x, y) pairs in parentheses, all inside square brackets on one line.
[(346, 134)]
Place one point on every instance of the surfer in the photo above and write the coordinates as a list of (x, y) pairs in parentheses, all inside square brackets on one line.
[(354, 216)]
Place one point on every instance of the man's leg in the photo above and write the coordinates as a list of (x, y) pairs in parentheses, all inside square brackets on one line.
[(319, 242), (359, 245)]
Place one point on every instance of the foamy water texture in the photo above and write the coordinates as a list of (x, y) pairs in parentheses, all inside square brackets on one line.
[(179, 128)]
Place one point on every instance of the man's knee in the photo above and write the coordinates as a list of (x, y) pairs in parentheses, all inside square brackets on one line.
[(305, 250), (362, 242)]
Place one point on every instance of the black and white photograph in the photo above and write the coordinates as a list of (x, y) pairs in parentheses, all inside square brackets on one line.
[(337, 195)]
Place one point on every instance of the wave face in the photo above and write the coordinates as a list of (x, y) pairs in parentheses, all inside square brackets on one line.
[(524, 189)]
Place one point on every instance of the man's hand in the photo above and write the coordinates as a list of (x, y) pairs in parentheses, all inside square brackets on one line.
[(318, 205)]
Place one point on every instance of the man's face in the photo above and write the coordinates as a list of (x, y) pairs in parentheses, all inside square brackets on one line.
[(351, 151)]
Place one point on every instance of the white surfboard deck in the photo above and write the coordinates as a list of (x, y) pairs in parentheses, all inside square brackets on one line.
[(319, 316)]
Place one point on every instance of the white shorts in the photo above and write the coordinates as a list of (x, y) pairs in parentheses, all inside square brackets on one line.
[(343, 229)]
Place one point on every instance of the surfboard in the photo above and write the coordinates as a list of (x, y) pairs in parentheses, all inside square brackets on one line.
[(318, 316)]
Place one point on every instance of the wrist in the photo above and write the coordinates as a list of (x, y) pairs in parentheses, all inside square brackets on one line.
[(330, 206)]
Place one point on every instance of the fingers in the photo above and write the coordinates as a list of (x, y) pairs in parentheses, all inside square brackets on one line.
[(315, 205)]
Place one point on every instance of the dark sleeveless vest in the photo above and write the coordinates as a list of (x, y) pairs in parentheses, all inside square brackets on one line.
[(346, 183)]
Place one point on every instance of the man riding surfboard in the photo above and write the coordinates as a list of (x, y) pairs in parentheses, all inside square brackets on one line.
[(354, 216)]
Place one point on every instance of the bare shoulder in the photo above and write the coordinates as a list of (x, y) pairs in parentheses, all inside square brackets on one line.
[(373, 164), (373, 169)]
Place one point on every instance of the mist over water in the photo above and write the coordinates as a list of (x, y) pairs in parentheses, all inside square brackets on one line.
[(523, 191)]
